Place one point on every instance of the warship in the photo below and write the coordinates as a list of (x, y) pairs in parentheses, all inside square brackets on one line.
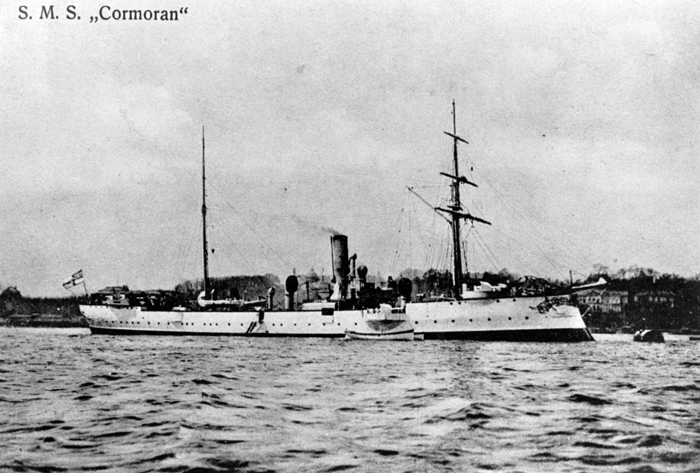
[(355, 307)]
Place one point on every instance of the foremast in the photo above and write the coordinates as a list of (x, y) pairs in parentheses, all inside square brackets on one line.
[(205, 248), (455, 207)]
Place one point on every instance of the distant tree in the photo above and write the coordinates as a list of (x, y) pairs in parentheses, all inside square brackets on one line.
[(411, 274), (437, 281)]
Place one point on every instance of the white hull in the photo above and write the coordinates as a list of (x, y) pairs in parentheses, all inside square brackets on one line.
[(510, 319)]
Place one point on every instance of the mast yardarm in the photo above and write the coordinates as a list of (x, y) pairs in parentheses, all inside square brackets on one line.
[(455, 208)]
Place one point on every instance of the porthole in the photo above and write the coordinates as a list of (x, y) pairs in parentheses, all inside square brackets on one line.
[(489, 319), (453, 320), (509, 318), (527, 318), (434, 321), (471, 320), (416, 322)]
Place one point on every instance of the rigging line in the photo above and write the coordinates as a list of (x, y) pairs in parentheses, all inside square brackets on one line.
[(577, 258), (528, 229), (478, 242), (554, 264), (189, 248), (240, 253), (410, 246), (410, 189), (398, 243), (473, 227), (444, 247), (435, 250), (486, 246), (522, 262), (415, 225), (261, 240)]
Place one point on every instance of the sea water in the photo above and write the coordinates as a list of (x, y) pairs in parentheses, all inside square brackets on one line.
[(71, 401)]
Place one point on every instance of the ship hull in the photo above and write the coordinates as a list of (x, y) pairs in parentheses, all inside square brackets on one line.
[(542, 335), (524, 319)]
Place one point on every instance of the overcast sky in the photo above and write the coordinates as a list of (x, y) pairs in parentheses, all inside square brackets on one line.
[(582, 117)]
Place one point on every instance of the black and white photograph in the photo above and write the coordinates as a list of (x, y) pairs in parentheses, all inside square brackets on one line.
[(350, 235)]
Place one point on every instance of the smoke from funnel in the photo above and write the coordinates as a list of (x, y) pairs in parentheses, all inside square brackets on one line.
[(330, 230), (314, 226)]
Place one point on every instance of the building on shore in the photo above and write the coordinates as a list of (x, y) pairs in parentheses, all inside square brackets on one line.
[(605, 301)]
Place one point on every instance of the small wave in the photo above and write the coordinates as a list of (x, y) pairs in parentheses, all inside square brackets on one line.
[(586, 444), (340, 468), (347, 409), (296, 407), (28, 429), (110, 376), (385, 452), (609, 460), (620, 384), (118, 433), (651, 441), (225, 376), (227, 441), (314, 452), (679, 457), (680, 388), (596, 401), (21, 466), (202, 381)]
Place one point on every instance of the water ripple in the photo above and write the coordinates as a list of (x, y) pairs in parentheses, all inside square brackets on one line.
[(94, 403)]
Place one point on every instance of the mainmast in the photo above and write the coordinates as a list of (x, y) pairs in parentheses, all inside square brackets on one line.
[(455, 208), (205, 249), (456, 205)]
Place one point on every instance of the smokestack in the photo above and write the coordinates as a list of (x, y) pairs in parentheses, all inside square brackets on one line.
[(341, 265), (270, 298), (290, 287)]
